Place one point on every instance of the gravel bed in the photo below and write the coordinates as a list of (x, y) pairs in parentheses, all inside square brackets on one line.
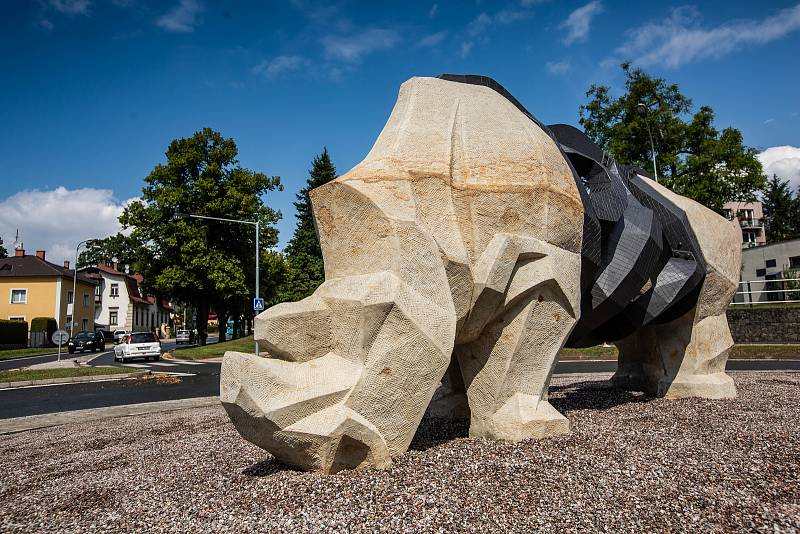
[(631, 463)]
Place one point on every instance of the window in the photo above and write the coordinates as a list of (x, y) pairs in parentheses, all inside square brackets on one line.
[(761, 272), (19, 296), (770, 263), (69, 297), (794, 262), (85, 324), (749, 237), (98, 291), (19, 318), (86, 300), (69, 321), (114, 290), (113, 316)]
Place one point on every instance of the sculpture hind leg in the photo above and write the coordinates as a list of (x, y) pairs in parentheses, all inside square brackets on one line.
[(683, 358)]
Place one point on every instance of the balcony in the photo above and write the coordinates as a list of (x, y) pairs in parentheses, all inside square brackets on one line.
[(751, 223)]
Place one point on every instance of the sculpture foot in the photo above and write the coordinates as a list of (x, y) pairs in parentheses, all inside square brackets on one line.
[(711, 386), (521, 417)]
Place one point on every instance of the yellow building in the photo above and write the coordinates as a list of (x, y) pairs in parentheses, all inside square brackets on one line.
[(31, 286)]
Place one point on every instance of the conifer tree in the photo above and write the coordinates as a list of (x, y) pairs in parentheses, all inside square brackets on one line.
[(780, 210), (305, 270)]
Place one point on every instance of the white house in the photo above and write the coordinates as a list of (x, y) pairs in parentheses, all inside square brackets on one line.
[(120, 302)]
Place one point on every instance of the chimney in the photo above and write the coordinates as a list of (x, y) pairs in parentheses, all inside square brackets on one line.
[(20, 252), (66, 264), (40, 254), (115, 266)]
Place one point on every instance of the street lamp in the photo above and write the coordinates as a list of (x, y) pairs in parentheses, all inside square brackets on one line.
[(75, 285), (644, 110), (256, 223)]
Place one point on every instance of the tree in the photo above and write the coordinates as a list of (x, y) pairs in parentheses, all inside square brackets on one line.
[(127, 250), (3, 251), (200, 262), (780, 210), (693, 158), (304, 266)]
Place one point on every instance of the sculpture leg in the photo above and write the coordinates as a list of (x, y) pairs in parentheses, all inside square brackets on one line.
[(507, 370), (683, 358), (352, 369)]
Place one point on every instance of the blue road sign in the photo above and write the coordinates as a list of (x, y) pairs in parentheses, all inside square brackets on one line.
[(258, 304)]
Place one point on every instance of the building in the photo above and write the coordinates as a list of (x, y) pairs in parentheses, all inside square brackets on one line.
[(31, 286), (763, 267), (749, 216), (121, 304)]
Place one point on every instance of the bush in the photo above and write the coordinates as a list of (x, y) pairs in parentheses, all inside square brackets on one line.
[(13, 333), (45, 324)]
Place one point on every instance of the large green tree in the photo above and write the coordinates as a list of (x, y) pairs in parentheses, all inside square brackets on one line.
[(3, 251), (202, 262), (304, 266), (693, 157), (781, 211), (126, 249)]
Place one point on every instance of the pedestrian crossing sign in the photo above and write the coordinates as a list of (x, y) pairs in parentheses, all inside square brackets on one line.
[(258, 305)]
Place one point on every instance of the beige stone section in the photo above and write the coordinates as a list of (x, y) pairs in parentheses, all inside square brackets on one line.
[(687, 357), (460, 232)]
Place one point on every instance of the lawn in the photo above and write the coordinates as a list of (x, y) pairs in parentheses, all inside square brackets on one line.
[(18, 353), (18, 375), (215, 350)]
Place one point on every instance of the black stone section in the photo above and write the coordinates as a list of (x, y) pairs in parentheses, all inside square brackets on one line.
[(641, 260)]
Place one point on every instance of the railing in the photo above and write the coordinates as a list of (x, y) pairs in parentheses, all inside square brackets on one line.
[(786, 290), (751, 223)]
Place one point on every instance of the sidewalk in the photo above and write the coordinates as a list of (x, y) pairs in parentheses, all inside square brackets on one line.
[(33, 422)]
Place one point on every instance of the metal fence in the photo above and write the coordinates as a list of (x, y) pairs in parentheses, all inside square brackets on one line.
[(775, 291)]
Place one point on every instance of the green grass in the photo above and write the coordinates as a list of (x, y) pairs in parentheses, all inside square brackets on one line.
[(42, 374), (215, 350), (17, 353), (598, 352)]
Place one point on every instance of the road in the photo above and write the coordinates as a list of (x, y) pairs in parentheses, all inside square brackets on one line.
[(183, 380)]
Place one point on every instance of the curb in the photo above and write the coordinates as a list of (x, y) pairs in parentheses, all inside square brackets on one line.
[(70, 380), (36, 422)]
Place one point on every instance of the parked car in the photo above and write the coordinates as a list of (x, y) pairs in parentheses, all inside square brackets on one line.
[(138, 345), (108, 335), (83, 341), (119, 335), (184, 336)]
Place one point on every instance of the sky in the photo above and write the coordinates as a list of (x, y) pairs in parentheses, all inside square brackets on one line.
[(93, 91)]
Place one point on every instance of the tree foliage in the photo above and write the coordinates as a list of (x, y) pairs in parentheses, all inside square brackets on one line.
[(202, 262), (693, 158), (304, 266), (3, 251), (126, 249), (781, 211)]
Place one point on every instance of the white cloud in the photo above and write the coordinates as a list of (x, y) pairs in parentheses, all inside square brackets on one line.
[(466, 48), (434, 10), (278, 65), (479, 24), (783, 161), (181, 18), (579, 22), (681, 38), (46, 24), (71, 7), (771, 119), (432, 39), (531, 3), (558, 67), (56, 220), (353, 47)]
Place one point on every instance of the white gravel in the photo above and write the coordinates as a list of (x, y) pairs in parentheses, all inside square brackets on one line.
[(631, 463)]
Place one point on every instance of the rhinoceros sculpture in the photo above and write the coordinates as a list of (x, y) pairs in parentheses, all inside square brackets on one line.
[(468, 248)]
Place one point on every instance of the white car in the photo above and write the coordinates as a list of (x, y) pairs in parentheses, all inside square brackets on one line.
[(138, 345), (119, 335)]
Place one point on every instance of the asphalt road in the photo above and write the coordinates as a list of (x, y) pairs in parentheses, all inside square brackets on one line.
[(184, 380)]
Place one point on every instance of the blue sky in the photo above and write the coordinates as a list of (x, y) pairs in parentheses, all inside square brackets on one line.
[(94, 90)]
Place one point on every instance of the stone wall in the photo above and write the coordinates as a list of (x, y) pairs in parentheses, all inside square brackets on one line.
[(764, 325)]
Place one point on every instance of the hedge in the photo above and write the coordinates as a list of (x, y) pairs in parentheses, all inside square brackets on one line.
[(13, 332), (44, 324)]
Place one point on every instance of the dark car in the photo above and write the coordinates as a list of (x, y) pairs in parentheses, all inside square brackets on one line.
[(86, 341), (108, 335)]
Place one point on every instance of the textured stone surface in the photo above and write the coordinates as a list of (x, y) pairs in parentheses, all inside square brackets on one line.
[(452, 255), (764, 325)]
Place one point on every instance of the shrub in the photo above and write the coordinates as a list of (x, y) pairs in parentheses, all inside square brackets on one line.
[(13, 333), (44, 324)]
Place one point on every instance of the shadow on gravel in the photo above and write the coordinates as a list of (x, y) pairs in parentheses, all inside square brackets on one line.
[(592, 395), (435, 431), (267, 468)]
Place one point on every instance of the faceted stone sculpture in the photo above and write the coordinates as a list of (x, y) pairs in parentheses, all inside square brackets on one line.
[(459, 252)]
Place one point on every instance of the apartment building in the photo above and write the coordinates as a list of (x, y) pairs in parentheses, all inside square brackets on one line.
[(749, 216)]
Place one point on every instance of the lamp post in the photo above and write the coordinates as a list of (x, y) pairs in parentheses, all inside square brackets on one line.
[(75, 286), (255, 223), (643, 109)]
